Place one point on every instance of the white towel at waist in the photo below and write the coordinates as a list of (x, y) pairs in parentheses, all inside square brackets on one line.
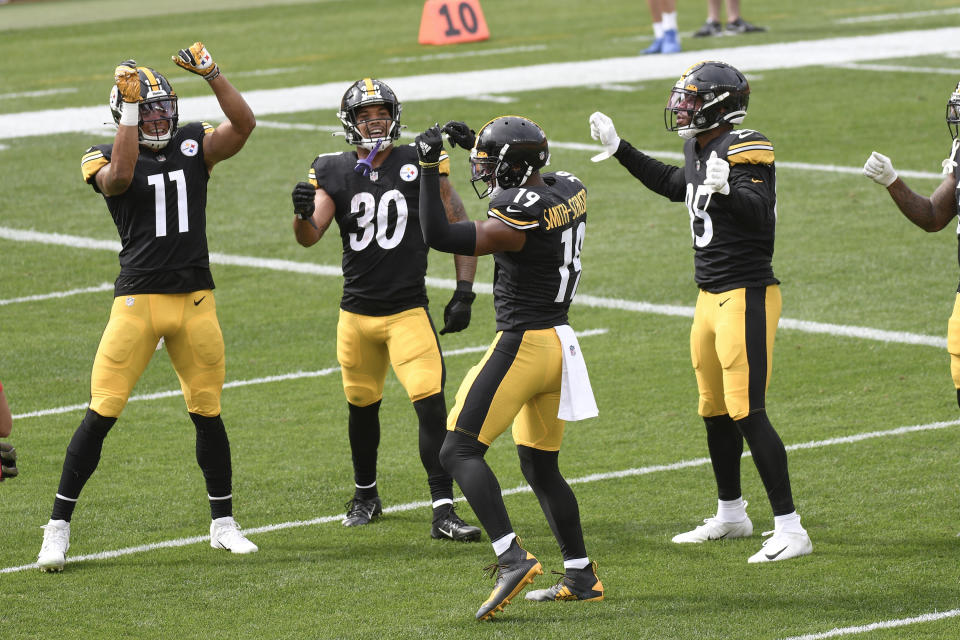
[(576, 394)]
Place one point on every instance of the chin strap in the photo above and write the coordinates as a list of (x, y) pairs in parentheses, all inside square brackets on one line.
[(949, 164), (365, 165)]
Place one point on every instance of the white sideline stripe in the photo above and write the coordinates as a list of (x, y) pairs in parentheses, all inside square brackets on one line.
[(264, 380), (883, 17), (36, 94), (889, 624), (106, 286), (850, 331), (443, 86), (860, 66), (468, 54), (595, 477)]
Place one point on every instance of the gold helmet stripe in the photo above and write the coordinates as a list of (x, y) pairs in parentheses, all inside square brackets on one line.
[(151, 79), (368, 87)]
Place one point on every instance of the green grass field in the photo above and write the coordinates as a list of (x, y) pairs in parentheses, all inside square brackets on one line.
[(882, 509)]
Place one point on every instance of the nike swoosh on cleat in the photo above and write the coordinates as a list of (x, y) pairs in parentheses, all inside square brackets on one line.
[(718, 537), (449, 534), (773, 556)]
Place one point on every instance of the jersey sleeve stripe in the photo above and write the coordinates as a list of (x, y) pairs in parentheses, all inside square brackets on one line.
[(312, 177), (752, 157), (91, 164), (753, 144), (444, 167), (513, 222), (208, 128)]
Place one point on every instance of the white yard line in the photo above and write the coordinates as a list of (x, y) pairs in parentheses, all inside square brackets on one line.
[(848, 331), (106, 286), (888, 624), (595, 477), (466, 84), (887, 17)]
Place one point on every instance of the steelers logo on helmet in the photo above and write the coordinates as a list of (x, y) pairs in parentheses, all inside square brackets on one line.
[(708, 94), (507, 151), (158, 109), (367, 127)]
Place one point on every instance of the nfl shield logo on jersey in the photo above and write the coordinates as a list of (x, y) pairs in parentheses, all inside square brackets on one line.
[(189, 147)]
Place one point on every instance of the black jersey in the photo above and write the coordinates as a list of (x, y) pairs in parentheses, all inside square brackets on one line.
[(384, 255), (533, 287), (733, 235), (955, 157), (161, 217)]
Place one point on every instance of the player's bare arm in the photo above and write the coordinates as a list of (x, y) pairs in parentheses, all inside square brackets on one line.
[(115, 177), (930, 214), (309, 227), (229, 137)]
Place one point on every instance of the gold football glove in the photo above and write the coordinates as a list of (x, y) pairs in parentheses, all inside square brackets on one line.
[(128, 80), (196, 59)]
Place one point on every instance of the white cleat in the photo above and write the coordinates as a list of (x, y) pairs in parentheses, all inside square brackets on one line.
[(56, 541), (713, 529), (782, 546), (225, 534)]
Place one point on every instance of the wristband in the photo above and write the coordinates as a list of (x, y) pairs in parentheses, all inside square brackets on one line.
[(213, 74), (130, 114), (429, 165)]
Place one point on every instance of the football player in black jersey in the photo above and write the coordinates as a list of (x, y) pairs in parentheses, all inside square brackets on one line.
[(373, 194), (728, 184), (533, 376), (933, 213), (154, 181)]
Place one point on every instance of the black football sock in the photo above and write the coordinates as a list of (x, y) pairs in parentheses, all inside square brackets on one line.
[(213, 456), (462, 456), (432, 416), (83, 456), (770, 457), (559, 504), (725, 444), (364, 428)]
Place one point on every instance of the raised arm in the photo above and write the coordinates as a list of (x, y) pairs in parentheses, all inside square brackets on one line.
[(115, 177), (229, 137), (930, 214)]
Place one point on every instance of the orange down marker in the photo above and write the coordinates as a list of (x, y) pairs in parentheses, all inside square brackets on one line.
[(452, 21)]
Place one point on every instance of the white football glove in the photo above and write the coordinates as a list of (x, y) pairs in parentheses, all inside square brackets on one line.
[(717, 175), (602, 129), (879, 169)]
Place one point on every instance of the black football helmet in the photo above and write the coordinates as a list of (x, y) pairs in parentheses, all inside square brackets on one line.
[(709, 94), (507, 150), (953, 112), (158, 108), (366, 92)]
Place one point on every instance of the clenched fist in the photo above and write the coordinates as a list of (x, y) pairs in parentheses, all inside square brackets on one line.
[(196, 59)]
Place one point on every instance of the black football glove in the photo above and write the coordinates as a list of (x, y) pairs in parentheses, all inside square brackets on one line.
[(460, 134), (430, 145), (303, 203), (8, 461), (456, 315)]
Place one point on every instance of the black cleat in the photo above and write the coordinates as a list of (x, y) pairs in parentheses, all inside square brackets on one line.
[(515, 569), (708, 29), (361, 512), (575, 584), (449, 526), (742, 26)]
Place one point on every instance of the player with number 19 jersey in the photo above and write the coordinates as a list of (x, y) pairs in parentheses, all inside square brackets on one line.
[(166, 252), (533, 287), (384, 256)]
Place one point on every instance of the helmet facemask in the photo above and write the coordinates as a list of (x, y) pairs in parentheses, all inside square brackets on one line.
[(953, 113), (706, 95), (505, 154)]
